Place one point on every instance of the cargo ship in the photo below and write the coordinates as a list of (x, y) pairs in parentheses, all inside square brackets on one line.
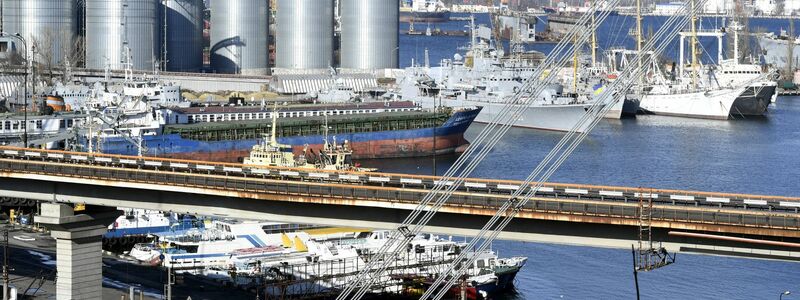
[(399, 129), (132, 122), (424, 11)]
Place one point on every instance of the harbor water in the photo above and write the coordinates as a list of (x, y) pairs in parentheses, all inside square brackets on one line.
[(613, 33), (745, 156), (758, 156)]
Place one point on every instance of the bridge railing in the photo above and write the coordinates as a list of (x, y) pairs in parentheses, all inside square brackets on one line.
[(579, 191), (292, 187)]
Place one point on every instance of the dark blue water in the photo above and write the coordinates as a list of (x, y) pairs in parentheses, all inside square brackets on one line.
[(748, 156)]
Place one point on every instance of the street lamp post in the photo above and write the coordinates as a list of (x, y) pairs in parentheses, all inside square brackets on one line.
[(785, 293), (25, 88)]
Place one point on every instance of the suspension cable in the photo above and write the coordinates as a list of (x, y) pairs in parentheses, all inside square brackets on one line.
[(510, 112), (594, 115)]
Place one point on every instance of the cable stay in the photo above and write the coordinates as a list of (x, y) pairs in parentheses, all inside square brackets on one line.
[(554, 159), (543, 77)]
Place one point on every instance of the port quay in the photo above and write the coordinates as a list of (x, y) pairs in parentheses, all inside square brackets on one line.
[(410, 149)]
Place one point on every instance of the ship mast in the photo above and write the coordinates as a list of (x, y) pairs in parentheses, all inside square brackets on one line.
[(273, 139), (575, 67), (790, 44), (639, 44), (694, 45), (594, 36)]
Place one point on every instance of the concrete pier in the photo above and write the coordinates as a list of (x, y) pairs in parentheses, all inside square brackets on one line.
[(78, 237)]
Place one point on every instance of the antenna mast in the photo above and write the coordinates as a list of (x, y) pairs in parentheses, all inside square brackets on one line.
[(274, 137), (164, 45), (790, 61), (639, 45), (694, 45), (594, 36), (575, 67)]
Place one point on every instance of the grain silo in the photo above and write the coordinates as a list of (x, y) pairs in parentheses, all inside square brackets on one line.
[(50, 26), (304, 34), (184, 35), (239, 36), (369, 34), (112, 26)]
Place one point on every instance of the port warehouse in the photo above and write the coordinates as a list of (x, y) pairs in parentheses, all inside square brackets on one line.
[(100, 33)]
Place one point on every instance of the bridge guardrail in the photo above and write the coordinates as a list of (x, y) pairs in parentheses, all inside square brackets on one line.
[(578, 191), (314, 189)]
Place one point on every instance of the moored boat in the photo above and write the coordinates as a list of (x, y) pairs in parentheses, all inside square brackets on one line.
[(484, 78), (728, 90), (378, 134), (424, 11), (777, 49), (332, 156)]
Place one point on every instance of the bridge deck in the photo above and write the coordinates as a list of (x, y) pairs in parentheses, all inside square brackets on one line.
[(687, 210)]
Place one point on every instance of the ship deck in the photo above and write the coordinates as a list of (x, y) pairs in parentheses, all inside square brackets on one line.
[(303, 126)]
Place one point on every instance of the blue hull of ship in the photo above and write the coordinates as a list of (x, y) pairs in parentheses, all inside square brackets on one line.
[(364, 145)]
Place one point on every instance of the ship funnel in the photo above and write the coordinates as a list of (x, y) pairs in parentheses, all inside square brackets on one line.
[(286, 241), (299, 245)]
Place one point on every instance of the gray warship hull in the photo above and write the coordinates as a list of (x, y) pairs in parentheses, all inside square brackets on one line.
[(551, 117), (776, 51)]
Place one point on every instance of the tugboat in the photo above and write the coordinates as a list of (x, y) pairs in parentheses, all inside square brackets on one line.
[(334, 157), (497, 274)]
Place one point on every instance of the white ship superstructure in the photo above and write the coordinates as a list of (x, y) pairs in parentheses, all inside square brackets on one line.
[(42, 130), (729, 90), (225, 241), (332, 263), (151, 89), (484, 79), (90, 112)]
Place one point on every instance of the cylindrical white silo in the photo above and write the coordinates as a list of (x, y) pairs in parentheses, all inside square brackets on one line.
[(369, 34), (239, 36), (112, 26), (304, 34), (50, 26), (184, 35)]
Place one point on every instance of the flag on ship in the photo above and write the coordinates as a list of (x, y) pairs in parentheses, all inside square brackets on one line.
[(598, 89)]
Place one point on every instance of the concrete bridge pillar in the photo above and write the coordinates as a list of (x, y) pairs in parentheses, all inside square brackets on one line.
[(79, 253)]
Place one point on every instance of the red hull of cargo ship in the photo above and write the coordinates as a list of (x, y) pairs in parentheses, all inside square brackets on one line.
[(397, 148)]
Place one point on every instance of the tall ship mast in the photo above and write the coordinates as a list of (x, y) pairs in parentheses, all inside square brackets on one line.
[(484, 78), (589, 82), (727, 90)]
